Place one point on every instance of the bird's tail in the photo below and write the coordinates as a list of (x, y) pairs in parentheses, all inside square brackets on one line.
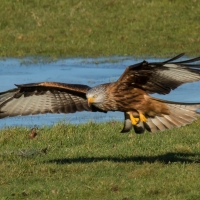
[(180, 115)]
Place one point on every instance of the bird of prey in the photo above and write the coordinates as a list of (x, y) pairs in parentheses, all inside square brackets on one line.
[(129, 94)]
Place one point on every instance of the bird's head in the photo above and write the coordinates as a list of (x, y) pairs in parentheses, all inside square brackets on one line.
[(96, 95)]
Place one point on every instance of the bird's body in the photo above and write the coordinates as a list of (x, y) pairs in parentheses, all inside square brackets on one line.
[(129, 94), (131, 100)]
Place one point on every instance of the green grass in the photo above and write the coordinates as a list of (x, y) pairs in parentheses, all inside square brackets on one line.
[(99, 28), (95, 161)]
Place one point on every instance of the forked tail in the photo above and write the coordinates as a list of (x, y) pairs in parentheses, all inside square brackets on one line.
[(180, 115)]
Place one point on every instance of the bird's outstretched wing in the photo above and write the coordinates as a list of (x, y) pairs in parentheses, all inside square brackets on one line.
[(160, 77), (44, 97)]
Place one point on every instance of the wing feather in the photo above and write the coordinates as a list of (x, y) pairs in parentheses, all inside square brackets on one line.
[(45, 97), (160, 77)]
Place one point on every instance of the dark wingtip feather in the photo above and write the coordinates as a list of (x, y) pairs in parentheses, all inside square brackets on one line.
[(174, 58), (26, 85), (139, 128), (188, 61), (169, 60), (127, 124)]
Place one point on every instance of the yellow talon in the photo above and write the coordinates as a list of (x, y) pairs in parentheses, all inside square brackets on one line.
[(142, 117), (134, 120)]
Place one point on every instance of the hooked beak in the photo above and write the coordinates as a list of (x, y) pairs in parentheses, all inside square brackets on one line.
[(90, 101)]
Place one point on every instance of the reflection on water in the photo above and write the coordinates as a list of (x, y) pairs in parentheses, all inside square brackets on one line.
[(82, 71)]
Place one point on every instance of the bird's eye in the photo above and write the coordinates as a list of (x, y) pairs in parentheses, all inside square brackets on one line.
[(95, 96)]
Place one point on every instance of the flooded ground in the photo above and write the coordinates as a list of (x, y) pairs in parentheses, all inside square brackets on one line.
[(81, 71)]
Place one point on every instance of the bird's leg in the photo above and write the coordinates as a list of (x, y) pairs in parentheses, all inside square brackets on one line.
[(135, 120), (142, 117)]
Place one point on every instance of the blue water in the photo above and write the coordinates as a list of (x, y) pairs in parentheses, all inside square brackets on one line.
[(81, 71)]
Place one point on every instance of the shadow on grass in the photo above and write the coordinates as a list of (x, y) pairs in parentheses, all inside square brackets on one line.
[(165, 158)]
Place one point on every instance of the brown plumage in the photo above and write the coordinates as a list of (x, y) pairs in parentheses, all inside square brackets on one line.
[(129, 94)]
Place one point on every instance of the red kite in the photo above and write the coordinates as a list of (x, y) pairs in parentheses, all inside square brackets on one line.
[(129, 94)]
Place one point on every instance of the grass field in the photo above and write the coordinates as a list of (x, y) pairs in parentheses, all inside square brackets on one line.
[(95, 161), (99, 28)]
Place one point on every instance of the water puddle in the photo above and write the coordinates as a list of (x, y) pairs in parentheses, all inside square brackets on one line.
[(81, 71)]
